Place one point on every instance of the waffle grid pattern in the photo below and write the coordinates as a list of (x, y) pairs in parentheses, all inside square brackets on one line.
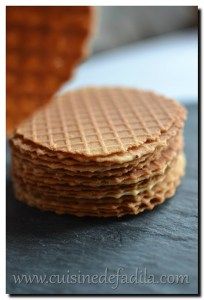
[(107, 207), (51, 33), (44, 44), (100, 121)]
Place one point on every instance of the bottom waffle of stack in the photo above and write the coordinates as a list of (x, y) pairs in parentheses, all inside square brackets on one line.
[(102, 190)]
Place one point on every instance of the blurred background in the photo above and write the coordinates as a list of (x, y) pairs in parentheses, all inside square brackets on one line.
[(145, 47), (123, 25)]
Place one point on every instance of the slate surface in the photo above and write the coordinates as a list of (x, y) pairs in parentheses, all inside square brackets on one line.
[(163, 241)]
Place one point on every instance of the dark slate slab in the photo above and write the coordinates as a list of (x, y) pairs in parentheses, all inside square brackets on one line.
[(163, 241)]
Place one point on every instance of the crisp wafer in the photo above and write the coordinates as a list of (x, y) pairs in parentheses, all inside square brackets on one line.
[(102, 121), (44, 45), (26, 169), (100, 152), (116, 191), (146, 200)]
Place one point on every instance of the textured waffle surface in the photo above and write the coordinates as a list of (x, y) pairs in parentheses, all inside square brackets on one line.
[(40, 171), (146, 200), (101, 121), (100, 152), (34, 153), (58, 190), (44, 44), (26, 147)]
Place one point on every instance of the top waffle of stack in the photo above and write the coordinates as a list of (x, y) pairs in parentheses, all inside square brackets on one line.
[(44, 45), (103, 123)]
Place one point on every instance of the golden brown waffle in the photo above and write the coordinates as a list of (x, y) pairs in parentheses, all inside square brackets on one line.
[(59, 189), (44, 45), (25, 169), (99, 122), (84, 170), (147, 199), (100, 151)]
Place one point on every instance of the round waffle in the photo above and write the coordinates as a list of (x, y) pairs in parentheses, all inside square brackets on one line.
[(100, 122), (146, 199), (27, 168), (100, 152), (44, 45)]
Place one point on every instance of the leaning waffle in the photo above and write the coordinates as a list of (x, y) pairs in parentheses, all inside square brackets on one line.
[(44, 45), (100, 151)]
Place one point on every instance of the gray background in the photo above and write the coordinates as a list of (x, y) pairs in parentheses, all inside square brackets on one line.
[(120, 25), (164, 241)]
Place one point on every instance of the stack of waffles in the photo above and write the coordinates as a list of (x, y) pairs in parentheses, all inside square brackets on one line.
[(44, 45), (100, 152)]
